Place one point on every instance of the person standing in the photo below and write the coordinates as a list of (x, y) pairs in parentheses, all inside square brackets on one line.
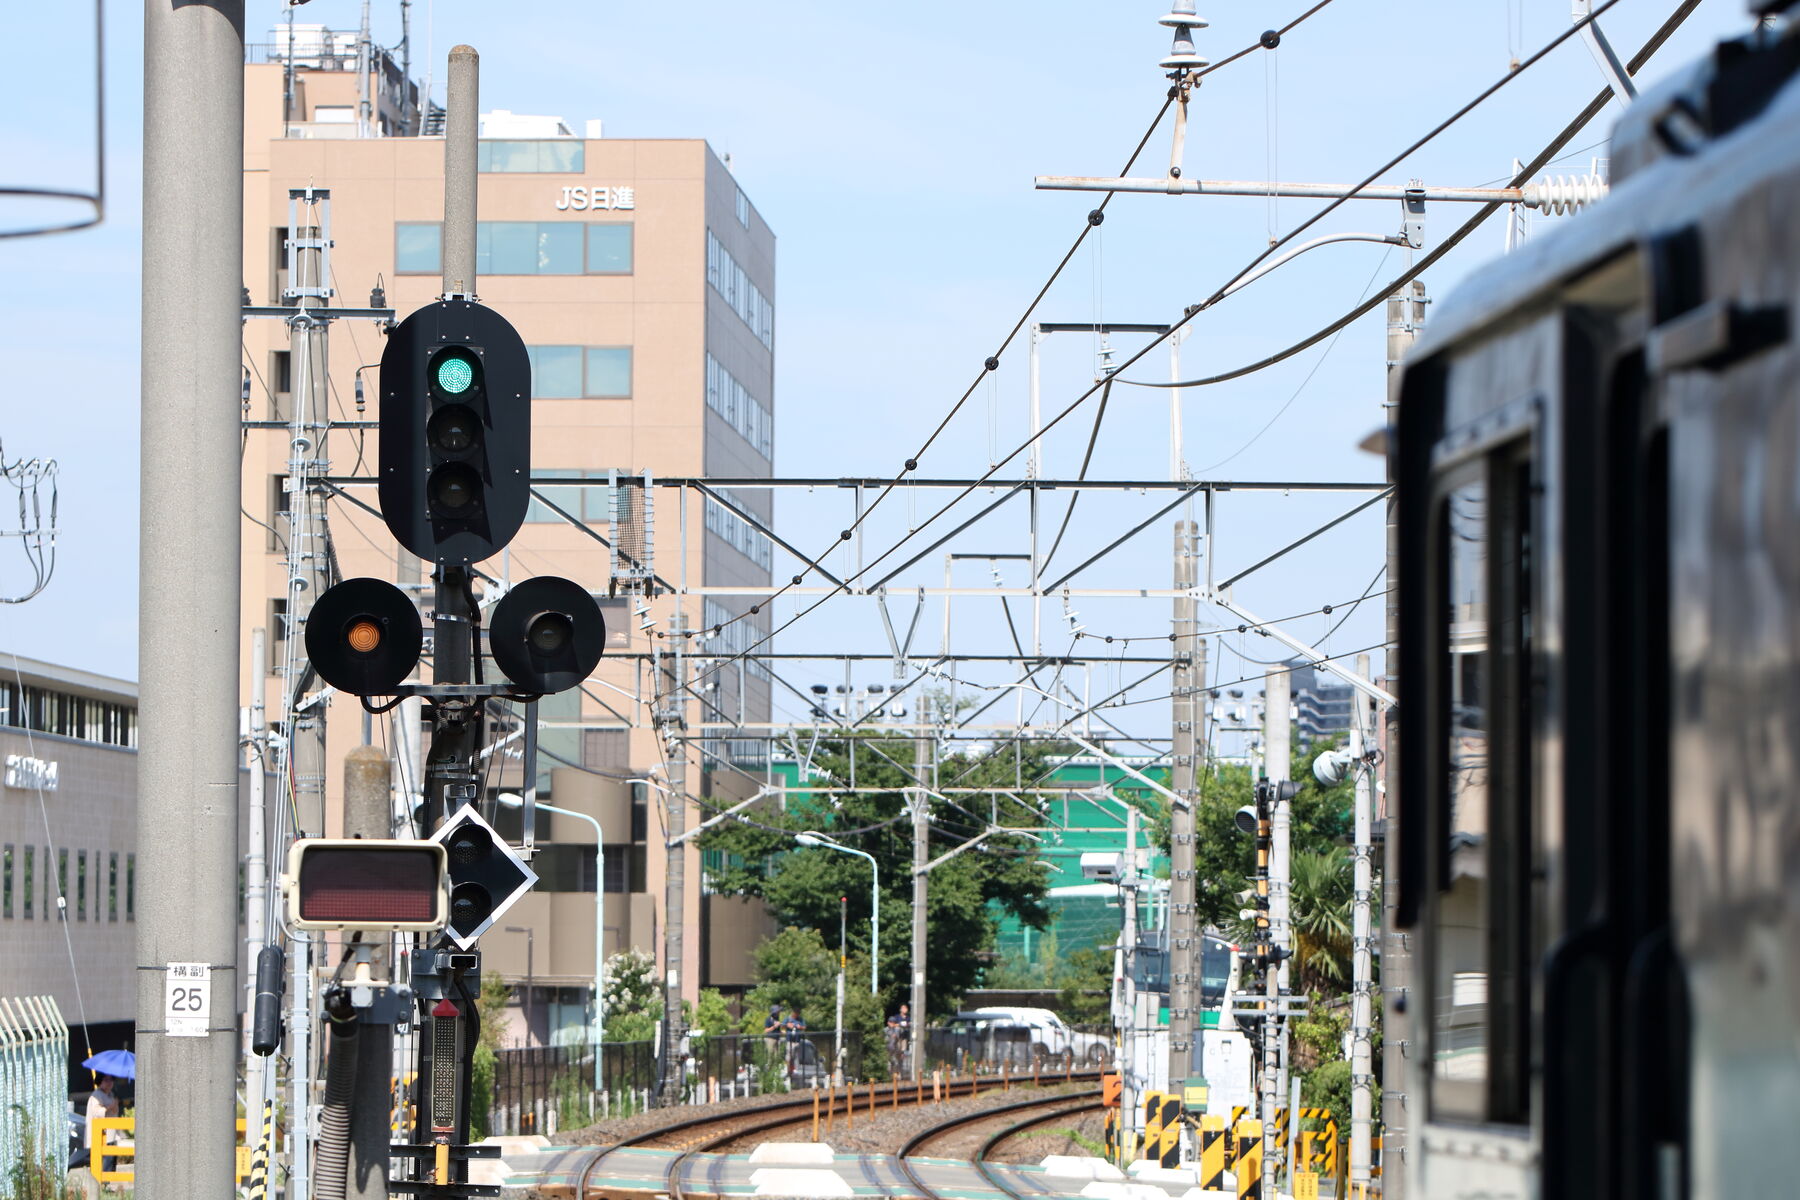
[(102, 1102)]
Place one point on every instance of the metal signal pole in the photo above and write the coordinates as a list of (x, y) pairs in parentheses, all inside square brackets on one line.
[(188, 669), (1362, 1073), (675, 879), (1276, 760)]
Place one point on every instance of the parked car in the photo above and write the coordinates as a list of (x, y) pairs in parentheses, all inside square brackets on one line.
[(1023, 1034)]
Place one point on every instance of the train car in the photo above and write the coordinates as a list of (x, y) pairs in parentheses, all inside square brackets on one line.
[(1598, 460)]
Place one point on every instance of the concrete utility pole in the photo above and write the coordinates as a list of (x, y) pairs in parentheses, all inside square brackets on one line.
[(1184, 936), (1362, 1074), (188, 567), (675, 881), (1406, 315), (1129, 1076), (368, 813), (1276, 764), (308, 558), (450, 772), (256, 896), (923, 752), (462, 126)]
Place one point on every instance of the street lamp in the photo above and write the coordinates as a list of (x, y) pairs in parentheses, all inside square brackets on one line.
[(813, 838), (513, 801)]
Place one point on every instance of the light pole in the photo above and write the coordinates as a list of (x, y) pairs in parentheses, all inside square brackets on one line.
[(513, 801), (814, 838)]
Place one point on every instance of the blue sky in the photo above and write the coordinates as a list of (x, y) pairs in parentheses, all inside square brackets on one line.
[(892, 149)]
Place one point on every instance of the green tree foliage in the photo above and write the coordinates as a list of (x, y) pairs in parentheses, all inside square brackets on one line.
[(803, 885), (796, 970), (633, 999), (713, 1015), (1225, 859), (1085, 980)]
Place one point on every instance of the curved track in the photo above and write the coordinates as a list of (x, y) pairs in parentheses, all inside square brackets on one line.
[(715, 1131), (1059, 1106)]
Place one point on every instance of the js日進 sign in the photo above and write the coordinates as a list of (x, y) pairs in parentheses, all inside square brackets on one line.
[(585, 198), (26, 772)]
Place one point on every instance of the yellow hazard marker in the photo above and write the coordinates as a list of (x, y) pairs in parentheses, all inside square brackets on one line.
[(1247, 1164), (259, 1157), (1306, 1186), (1212, 1153), (1168, 1151)]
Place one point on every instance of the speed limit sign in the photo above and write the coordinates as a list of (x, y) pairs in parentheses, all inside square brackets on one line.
[(187, 999)]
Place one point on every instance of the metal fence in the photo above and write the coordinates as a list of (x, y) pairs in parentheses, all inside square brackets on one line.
[(747, 1064), (525, 1079), (993, 1046), (34, 1080)]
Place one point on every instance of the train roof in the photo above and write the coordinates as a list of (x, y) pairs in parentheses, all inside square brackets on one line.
[(1692, 143)]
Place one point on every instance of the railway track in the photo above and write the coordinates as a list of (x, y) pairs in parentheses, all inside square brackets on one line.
[(1041, 1109), (715, 1132)]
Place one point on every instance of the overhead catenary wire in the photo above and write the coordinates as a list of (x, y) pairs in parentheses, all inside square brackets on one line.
[(1094, 218), (1224, 289)]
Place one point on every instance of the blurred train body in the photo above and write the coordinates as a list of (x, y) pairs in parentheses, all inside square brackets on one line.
[(1598, 459)]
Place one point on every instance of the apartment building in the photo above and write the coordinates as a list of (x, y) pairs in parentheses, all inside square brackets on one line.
[(643, 282)]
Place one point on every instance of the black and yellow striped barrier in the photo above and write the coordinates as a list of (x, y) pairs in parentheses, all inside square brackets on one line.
[(1168, 1150), (1151, 1142), (1112, 1135), (1247, 1163), (1212, 1153)]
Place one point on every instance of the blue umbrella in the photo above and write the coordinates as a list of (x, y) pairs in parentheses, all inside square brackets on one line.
[(121, 1064)]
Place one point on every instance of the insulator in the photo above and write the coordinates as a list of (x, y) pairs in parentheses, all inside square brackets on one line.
[(1182, 13), (1559, 194)]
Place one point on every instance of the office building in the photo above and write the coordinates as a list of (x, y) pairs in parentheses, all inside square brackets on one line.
[(642, 280)]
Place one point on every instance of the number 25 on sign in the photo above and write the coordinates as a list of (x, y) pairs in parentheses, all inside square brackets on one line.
[(187, 999)]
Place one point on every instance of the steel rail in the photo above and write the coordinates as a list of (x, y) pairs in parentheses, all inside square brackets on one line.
[(1081, 1103)]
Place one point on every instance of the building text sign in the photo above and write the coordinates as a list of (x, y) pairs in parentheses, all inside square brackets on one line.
[(23, 771), (187, 999), (583, 197)]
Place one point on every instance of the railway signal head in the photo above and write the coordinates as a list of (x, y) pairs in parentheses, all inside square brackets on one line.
[(364, 637), (455, 432), (486, 877), (366, 883), (547, 635)]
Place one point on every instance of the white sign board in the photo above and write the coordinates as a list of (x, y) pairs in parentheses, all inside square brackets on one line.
[(1228, 1069), (187, 999), (23, 771), (590, 197)]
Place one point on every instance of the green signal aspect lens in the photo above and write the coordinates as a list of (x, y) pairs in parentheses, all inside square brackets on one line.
[(455, 374)]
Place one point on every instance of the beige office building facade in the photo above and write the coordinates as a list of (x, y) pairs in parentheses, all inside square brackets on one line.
[(642, 281)]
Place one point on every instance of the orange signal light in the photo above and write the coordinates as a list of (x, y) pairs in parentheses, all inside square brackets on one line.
[(364, 636)]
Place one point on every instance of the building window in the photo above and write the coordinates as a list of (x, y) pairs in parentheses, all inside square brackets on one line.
[(81, 885), (568, 372), (609, 371), (738, 633), (723, 521), (618, 868), (588, 503), (743, 209), (528, 248), (131, 887), (62, 882), (418, 248), (521, 248), (547, 157), (609, 248), (6, 901), (112, 886), (741, 410), (28, 882), (733, 284)]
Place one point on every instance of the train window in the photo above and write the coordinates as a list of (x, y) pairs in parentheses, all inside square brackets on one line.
[(1479, 928)]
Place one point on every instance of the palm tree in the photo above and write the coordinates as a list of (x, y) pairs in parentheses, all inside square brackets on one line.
[(1320, 901)]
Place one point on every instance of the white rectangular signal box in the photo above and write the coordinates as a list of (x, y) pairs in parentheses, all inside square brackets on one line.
[(367, 883)]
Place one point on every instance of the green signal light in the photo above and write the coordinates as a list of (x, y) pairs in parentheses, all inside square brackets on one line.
[(455, 374)]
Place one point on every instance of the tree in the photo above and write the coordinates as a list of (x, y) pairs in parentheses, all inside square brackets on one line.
[(633, 998), (1086, 980), (1321, 903), (796, 970), (803, 886)]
